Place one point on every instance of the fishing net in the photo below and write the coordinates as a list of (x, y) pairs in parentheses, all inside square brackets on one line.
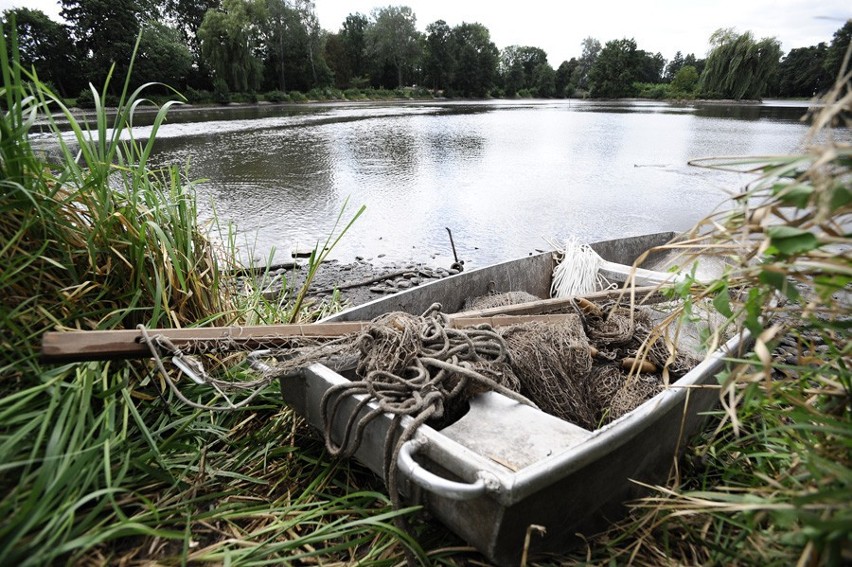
[(551, 362), (499, 300), (617, 326), (635, 391)]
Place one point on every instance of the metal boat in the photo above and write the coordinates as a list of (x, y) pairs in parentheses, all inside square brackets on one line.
[(506, 476)]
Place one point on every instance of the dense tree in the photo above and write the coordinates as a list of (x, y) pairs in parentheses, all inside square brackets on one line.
[(513, 79), (529, 58), (277, 20), (345, 51), (353, 36), (591, 50), (674, 66), (187, 16), (393, 39), (650, 68), (615, 70), (544, 81), (230, 44), (739, 67), (476, 59), (837, 50), (802, 72), (105, 31), (163, 56), (685, 81), (439, 61), (293, 46), (562, 82), (697, 63), (46, 46), (313, 41), (278, 44)]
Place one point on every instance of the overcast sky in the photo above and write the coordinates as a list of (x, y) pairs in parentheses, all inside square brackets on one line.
[(558, 26)]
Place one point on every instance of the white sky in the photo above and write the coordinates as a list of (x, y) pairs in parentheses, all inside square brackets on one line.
[(558, 26)]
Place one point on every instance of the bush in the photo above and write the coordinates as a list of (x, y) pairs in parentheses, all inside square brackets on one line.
[(86, 100), (194, 96), (276, 96), (221, 92), (657, 91), (244, 98), (296, 96), (354, 94)]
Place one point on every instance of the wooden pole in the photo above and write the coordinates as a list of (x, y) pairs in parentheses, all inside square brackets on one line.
[(644, 293), (77, 346)]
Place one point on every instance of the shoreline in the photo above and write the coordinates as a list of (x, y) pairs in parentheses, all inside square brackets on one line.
[(357, 282)]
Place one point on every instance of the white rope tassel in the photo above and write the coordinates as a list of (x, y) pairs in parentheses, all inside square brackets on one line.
[(577, 273)]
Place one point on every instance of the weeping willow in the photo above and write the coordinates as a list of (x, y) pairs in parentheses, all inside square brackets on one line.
[(739, 67), (229, 46)]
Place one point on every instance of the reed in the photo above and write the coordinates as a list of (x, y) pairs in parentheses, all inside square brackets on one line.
[(97, 462), (770, 481)]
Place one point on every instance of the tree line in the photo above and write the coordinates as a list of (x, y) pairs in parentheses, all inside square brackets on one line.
[(223, 47)]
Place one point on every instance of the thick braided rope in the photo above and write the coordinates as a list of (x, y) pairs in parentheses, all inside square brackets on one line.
[(412, 366)]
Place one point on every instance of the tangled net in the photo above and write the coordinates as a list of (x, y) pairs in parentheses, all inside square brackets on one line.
[(499, 300), (551, 361)]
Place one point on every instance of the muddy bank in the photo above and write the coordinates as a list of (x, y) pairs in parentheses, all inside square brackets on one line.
[(357, 282)]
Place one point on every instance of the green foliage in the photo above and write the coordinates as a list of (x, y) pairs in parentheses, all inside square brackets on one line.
[(88, 99), (802, 72), (104, 32), (229, 46), (615, 70), (346, 51), (650, 67), (544, 81), (163, 56), (684, 82), (221, 92), (518, 65), (836, 53), (656, 91), (674, 66), (476, 59), (739, 67), (393, 39), (194, 96), (326, 93), (591, 51), (46, 46), (563, 80), (354, 94), (439, 55), (276, 96), (244, 98)]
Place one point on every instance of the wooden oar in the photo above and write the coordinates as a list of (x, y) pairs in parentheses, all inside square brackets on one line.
[(644, 293), (76, 346)]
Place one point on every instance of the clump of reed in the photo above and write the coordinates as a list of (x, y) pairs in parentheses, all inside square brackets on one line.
[(98, 465), (769, 483)]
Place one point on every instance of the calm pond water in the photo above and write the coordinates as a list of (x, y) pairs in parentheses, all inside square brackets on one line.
[(507, 177)]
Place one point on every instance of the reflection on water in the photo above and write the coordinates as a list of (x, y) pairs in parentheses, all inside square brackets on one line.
[(508, 177)]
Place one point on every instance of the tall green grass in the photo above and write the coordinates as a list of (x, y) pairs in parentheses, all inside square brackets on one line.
[(98, 464)]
